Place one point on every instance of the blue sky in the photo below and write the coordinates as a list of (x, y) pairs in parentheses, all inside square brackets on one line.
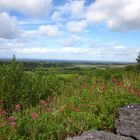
[(106, 30)]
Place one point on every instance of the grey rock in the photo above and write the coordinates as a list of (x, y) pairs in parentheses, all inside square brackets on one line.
[(99, 135), (128, 121)]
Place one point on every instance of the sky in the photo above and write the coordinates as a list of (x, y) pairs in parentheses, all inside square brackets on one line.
[(104, 30)]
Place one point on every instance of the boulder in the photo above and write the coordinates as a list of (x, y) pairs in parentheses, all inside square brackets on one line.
[(99, 135), (128, 121)]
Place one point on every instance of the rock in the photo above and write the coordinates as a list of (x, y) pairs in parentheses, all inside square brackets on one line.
[(99, 135), (128, 122)]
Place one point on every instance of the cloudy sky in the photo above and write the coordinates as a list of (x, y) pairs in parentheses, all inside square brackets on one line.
[(70, 29)]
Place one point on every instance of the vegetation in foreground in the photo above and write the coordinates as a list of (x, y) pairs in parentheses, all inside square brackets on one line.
[(39, 106)]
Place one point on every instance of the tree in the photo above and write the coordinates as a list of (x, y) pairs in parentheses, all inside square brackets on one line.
[(14, 58), (138, 59)]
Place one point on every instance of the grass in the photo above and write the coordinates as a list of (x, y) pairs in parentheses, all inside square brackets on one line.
[(66, 76), (55, 106)]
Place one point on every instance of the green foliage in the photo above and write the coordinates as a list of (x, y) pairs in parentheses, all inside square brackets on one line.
[(138, 67), (138, 62), (11, 83), (130, 68), (20, 87), (55, 106), (138, 59)]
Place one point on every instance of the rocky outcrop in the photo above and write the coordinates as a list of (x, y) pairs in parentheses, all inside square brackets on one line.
[(99, 135), (127, 126), (128, 121)]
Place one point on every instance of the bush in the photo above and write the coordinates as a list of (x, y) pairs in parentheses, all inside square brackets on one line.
[(26, 88), (129, 68), (11, 82)]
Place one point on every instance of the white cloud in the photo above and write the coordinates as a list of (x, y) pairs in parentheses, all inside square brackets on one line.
[(119, 47), (76, 26), (72, 9), (43, 30), (72, 41), (75, 17), (113, 52), (76, 8), (102, 53), (56, 15), (34, 50), (121, 15), (8, 26), (65, 51), (35, 8), (50, 30), (28, 35), (118, 15), (10, 44)]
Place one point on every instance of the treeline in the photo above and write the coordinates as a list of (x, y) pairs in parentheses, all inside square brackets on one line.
[(30, 65)]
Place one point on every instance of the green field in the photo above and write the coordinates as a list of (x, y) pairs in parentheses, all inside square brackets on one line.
[(52, 103)]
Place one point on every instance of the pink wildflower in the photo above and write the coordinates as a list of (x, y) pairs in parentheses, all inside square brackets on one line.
[(43, 102), (18, 107), (11, 119), (34, 115), (13, 124), (3, 112)]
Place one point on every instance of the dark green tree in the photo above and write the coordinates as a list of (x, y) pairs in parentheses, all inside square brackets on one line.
[(14, 58), (138, 59)]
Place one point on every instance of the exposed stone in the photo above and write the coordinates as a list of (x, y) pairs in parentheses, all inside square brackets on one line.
[(128, 121), (99, 135)]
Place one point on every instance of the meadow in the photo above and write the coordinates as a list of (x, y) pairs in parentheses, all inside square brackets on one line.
[(63, 100)]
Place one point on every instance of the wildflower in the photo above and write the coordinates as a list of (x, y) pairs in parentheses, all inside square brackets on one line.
[(1, 101), (61, 110), (49, 110), (3, 112), (11, 119), (0, 124), (18, 107), (13, 124), (43, 103), (30, 130), (34, 115), (6, 124), (9, 112)]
